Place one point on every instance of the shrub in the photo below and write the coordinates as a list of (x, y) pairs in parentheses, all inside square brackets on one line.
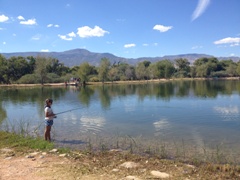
[(29, 79)]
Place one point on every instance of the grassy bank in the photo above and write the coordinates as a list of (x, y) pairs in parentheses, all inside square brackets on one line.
[(124, 82), (108, 163)]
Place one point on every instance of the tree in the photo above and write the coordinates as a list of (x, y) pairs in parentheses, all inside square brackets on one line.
[(103, 69), (182, 67), (41, 68), (130, 72), (3, 69), (84, 71), (142, 70), (232, 69), (206, 66), (238, 68), (114, 74), (164, 69), (17, 67), (56, 67)]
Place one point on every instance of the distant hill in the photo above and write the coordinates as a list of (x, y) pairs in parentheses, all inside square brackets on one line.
[(77, 56)]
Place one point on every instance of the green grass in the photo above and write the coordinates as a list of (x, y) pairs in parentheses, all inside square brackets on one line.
[(22, 143)]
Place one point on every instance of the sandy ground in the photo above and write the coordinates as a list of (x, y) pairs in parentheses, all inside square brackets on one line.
[(109, 166), (31, 167)]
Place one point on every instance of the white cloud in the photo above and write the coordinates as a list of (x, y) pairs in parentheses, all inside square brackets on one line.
[(110, 42), (86, 31), (201, 7), (44, 50), (63, 37), (20, 18), (229, 40), (1, 29), (4, 43), (68, 37), (36, 37), (162, 28), (129, 45), (52, 25), (196, 47), (145, 44), (72, 34), (29, 22), (3, 18)]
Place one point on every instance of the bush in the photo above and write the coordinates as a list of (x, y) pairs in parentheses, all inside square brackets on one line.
[(29, 79), (53, 78), (93, 79), (219, 74)]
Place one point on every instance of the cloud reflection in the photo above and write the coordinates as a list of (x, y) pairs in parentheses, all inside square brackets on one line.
[(92, 124), (228, 113), (160, 126)]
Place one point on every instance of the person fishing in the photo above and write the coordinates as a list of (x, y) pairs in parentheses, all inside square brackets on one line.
[(49, 116)]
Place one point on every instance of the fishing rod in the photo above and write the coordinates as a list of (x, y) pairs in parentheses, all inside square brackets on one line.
[(57, 114), (68, 110)]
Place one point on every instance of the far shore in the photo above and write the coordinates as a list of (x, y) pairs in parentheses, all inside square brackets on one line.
[(121, 82)]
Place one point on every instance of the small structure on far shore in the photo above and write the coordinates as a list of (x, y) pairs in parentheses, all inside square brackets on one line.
[(73, 82)]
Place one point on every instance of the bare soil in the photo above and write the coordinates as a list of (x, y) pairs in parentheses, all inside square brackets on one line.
[(109, 165)]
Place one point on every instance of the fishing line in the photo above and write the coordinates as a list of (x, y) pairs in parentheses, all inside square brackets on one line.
[(68, 110), (57, 114)]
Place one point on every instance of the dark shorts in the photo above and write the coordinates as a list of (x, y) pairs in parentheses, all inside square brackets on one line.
[(48, 122)]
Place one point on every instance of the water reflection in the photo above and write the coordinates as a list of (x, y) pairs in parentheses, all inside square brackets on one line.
[(230, 113), (92, 124), (160, 126), (202, 113)]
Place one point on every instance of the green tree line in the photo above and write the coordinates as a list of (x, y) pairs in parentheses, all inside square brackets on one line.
[(50, 70)]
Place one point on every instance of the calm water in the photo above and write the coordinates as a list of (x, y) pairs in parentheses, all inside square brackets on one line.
[(202, 114)]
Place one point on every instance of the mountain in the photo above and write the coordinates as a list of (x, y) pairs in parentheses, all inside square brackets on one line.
[(75, 57)]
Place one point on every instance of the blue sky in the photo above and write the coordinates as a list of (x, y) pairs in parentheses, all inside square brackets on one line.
[(125, 28)]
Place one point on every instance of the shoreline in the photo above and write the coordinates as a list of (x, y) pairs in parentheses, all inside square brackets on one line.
[(23, 162), (120, 82)]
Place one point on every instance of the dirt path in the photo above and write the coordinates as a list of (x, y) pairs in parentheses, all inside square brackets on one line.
[(109, 166), (31, 167)]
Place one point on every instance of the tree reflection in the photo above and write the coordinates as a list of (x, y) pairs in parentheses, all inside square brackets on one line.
[(85, 94), (3, 114)]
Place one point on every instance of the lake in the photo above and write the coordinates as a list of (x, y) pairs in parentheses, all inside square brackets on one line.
[(174, 118)]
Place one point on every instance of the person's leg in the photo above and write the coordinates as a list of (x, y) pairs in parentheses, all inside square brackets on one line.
[(47, 133)]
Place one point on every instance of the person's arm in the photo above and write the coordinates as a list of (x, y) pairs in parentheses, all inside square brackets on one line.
[(48, 114)]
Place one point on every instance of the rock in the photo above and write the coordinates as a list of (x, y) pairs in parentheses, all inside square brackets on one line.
[(54, 150), (29, 156), (115, 150), (63, 155), (34, 153), (115, 170), (6, 150), (129, 165), (8, 158), (191, 166), (160, 174), (131, 178)]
